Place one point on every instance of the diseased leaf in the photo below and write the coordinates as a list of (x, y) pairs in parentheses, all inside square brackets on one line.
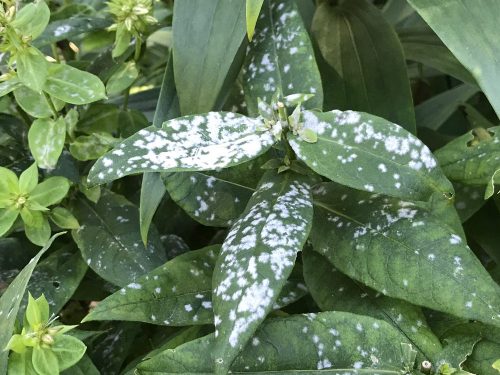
[(10, 301), (401, 250), (335, 342), (468, 200), (201, 142), (35, 103), (333, 291), (32, 19), (483, 357), (46, 140), (471, 34), (110, 242), (256, 259), (206, 38), (280, 58), (369, 153), (364, 50)]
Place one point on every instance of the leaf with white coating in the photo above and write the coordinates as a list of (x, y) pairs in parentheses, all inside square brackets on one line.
[(256, 259), (369, 153), (403, 251), (46, 141), (191, 143)]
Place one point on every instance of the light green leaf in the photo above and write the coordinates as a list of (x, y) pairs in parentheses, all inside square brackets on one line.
[(256, 259), (473, 158), (333, 291), (252, 11), (91, 147), (110, 242), (63, 218), (369, 153), (37, 230), (33, 313), (206, 38), (435, 111), (7, 218), (457, 348), (10, 301), (32, 19), (32, 68), (44, 361), (9, 182), (35, 104), (125, 76), (471, 34), (73, 86), (363, 48), (390, 246), (68, 350), (46, 141), (51, 191), (28, 179), (122, 41), (9, 85), (334, 342), (201, 142), (280, 58), (83, 367)]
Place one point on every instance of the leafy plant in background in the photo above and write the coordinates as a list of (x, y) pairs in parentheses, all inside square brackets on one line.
[(334, 163)]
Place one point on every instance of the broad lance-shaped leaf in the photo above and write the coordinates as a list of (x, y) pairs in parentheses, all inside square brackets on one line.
[(473, 158), (369, 153), (46, 141), (110, 242), (165, 296), (191, 143), (403, 251), (280, 58), (10, 301), (364, 51), (256, 259), (335, 342), (334, 291)]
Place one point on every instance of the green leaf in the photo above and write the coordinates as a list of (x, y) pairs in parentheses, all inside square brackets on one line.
[(471, 34), (38, 230), (458, 347), (110, 242), (472, 159), (34, 103), (425, 47), (9, 182), (468, 200), (280, 58), (28, 179), (91, 147), (335, 342), (201, 142), (165, 296), (390, 246), (32, 68), (9, 85), (83, 367), (73, 86), (252, 11), (125, 76), (10, 301), (369, 153), (363, 48), (122, 41), (483, 357), (46, 141), (7, 218), (63, 218), (33, 313), (45, 361), (32, 19), (207, 36), (51, 191), (435, 111), (68, 350), (333, 291), (396, 11), (256, 259)]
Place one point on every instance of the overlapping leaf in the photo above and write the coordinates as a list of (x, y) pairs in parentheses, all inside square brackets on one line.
[(280, 58), (401, 250), (369, 153), (256, 259), (200, 142), (335, 342)]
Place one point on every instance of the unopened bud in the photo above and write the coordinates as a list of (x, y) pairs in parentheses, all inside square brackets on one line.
[(47, 339)]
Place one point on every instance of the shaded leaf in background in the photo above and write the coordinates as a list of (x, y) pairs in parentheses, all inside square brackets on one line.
[(364, 50)]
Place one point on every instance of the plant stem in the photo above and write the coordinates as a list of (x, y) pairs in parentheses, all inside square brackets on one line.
[(138, 44), (54, 52), (51, 105)]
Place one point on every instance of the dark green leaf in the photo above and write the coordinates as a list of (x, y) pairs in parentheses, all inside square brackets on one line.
[(124, 76)]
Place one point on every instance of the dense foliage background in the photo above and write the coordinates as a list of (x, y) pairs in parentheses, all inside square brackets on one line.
[(254, 186)]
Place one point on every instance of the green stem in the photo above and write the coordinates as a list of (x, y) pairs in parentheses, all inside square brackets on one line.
[(54, 52), (51, 105), (138, 44)]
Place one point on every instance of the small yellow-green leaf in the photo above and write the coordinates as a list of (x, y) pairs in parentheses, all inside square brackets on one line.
[(252, 14), (32, 19), (28, 179), (45, 361), (50, 191), (7, 218), (63, 218)]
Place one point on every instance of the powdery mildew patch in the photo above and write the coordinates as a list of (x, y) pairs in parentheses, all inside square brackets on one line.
[(257, 258), (192, 143), (369, 153)]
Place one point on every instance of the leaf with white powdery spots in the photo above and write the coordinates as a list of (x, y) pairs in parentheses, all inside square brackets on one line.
[(256, 259), (369, 153), (46, 141), (403, 251), (191, 143), (281, 58)]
